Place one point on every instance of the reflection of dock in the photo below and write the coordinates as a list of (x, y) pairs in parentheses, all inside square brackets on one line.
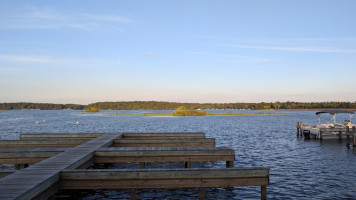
[(48, 163), (340, 133)]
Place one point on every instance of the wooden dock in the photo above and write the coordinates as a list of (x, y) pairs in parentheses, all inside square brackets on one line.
[(345, 133), (47, 163)]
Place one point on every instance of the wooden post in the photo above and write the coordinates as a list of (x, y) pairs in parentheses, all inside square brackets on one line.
[(133, 194), (142, 165), (340, 135), (17, 166), (354, 129), (229, 164), (354, 140), (297, 128), (263, 192), (188, 164), (321, 135), (201, 193), (301, 128), (347, 135)]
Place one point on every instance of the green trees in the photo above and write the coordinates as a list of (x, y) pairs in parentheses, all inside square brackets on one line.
[(39, 106), (182, 111), (159, 105)]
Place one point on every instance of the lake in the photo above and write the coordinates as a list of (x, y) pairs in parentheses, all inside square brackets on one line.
[(299, 169)]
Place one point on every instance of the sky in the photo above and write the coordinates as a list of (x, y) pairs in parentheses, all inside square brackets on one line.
[(179, 51)]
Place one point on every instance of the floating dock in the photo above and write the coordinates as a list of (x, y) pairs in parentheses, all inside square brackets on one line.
[(342, 133), (47, 163)]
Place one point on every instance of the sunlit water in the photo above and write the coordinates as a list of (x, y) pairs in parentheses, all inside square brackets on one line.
[(298, 169)]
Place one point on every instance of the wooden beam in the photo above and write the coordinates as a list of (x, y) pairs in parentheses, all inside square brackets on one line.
[(4, 173), (163, 154), (58, 143), (26, 155), (171, 142), (41, 136), (165, 135), (158, 178)]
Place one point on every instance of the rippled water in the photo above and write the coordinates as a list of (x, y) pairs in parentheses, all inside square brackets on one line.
[(299, 169)]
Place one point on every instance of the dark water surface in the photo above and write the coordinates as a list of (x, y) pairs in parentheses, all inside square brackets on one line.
[(298, 169)]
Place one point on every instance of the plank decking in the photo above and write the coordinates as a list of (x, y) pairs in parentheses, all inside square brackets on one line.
[(55, 166)]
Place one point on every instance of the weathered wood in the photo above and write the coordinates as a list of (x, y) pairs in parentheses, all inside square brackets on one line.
[(39, 178), (163, 154), (172, 178), (263, 192), (4, 173), (167, 142), (229, 164), (142, 165), (188, 164), (301, 128), (201, 193), (41, 136), (58, 143), (340, 135), (26, 155), (165, 135), (133, 194), (298, 128)]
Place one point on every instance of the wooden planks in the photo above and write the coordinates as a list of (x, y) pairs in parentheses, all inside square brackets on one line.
[(163, 154), (163, 178), (36, 179), (60, 169), (4, 173), (27, 156), (40, 136), (52, 143), (165, 135), (165, 142)]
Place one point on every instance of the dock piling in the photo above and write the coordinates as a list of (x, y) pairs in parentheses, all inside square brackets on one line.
[(133, 194), (201, 193)]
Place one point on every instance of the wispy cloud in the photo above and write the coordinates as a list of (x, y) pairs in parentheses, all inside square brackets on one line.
[(150, 53), (302, 49), (57, 62), (36, 18), (232, 58)]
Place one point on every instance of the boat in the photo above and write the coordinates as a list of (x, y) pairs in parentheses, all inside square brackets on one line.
[(332, 129)]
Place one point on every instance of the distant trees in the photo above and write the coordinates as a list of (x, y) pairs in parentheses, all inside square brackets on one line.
[(159, 105), (39, 106)]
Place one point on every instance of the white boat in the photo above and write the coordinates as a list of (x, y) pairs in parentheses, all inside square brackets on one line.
[(331, 129)]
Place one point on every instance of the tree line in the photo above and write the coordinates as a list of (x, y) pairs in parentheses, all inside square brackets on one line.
[(39, 106), (159, 105)]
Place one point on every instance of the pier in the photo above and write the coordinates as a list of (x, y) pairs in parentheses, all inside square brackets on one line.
[(47, 163), (341, 133)]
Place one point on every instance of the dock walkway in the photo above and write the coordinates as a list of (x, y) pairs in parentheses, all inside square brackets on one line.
[(53, 167)]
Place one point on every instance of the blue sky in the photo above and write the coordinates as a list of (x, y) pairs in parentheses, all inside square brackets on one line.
[(180, 51)]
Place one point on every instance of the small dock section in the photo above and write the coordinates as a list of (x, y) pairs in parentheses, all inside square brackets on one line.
[(47, 165)]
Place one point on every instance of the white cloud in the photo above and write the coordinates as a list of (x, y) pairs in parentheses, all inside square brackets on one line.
[(57, 62), (150, 53), (303, 49), (36, 18)]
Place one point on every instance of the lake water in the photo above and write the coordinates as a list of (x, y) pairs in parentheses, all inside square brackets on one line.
[(299, 169)]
